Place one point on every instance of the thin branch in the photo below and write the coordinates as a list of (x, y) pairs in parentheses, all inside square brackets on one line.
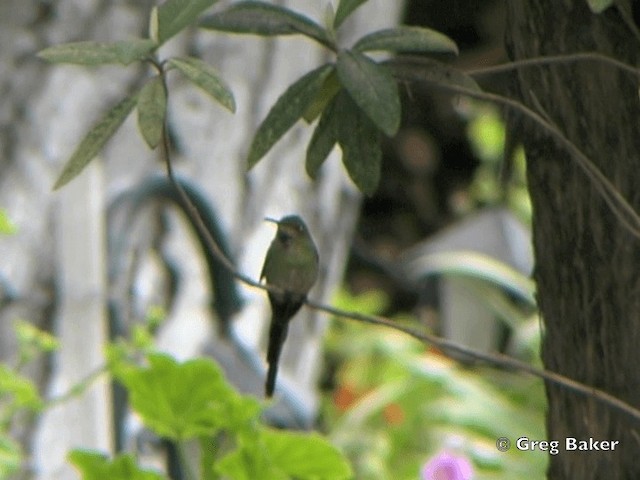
[(447, 346), (551, 60), (619, 206)]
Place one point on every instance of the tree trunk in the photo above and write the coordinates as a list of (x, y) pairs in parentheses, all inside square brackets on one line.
[(586, 262)]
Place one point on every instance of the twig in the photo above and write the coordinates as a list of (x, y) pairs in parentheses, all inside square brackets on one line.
[(445, 345), (551, 60)]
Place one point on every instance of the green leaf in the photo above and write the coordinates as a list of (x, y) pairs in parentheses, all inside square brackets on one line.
[(97, 466), (10, 456), (287, 110), (260, 18), (152, 108), (327, 92), (19, 390), (305, 456), (95, 140), (432, 71), (359, 140), (345, 9), (325, 136), (599, 6), (407, 39), (97, 53), (206, 77), (180, 400), (175, 15), (7, 227), (372, 88)]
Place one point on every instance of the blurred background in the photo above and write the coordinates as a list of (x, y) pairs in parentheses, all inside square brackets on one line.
[(443, 244)]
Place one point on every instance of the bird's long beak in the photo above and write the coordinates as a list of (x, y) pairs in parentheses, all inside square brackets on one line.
[(272, 220)]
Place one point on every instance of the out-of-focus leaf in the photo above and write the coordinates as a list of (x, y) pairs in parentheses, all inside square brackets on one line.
[(19, 390), (97, 466), (95, 140), (599, 6), (10, 456), (174, 15), (152, 107), (372, 88), (345, 8), (286, 112), (6, 225), (475, 265), (407, 39), (305, 455), (260, 18), (97, 53), (206, 77), (359, 140)]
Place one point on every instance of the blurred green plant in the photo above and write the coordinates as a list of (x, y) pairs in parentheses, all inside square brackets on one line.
[(7, 227), (395, 404), (494, 181)]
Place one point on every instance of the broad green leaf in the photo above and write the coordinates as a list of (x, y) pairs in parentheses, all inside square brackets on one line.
[(206, 77), (359, 140), (97, 466), (307, 456), (287, 110), (260, 18), (181, 400), (327, 92), (175, 15), (152, 108), (432, 71), (95, 140), (325, 136), (97, 53), (599, 6), (345, 8), (6, 225), (372, 88), (407, 39)]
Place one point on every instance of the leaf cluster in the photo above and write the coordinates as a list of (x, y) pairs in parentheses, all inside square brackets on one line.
[(354, 98)]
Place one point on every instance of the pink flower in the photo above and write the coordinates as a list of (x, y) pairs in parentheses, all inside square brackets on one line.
[(446, 466)]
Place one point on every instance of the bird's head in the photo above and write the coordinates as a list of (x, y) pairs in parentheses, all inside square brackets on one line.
[(290, 228)]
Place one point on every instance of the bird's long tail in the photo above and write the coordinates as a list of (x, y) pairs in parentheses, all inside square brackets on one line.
[(277, 336)]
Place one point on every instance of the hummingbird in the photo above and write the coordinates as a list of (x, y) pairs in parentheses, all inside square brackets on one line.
[(291, 265)]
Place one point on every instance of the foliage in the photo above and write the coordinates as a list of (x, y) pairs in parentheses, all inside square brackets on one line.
[(355, 96), (397, 404), (6, 226)]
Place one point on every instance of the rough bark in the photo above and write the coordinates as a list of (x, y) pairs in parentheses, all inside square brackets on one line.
[(586, 262)]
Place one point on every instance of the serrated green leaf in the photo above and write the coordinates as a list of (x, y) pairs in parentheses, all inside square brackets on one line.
[(152, 108), (260, 18), (305, 455), (599, 6), (206, 77), (429, 70), (175, 15), (97, 466), (325, 136), (95, 140), (407, 39), (184, 400), (345, 8), (359, 140), (327, 92), (98, 53), (372, 88), (287, 110)]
